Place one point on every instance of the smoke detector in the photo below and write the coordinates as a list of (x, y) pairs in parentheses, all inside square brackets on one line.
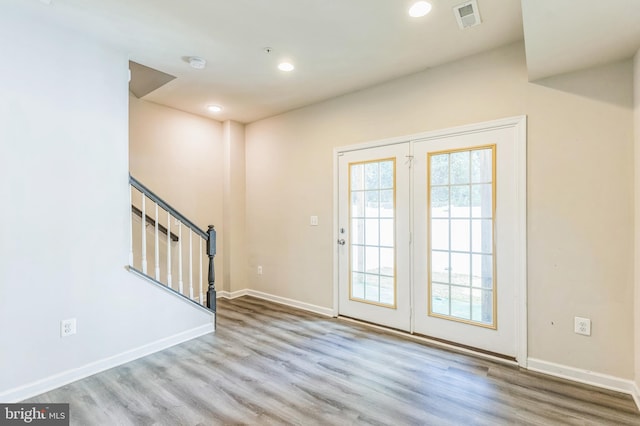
[(467, 14), (197, 62)]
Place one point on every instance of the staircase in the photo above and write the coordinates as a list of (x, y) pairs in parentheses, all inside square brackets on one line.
[(169, 249)]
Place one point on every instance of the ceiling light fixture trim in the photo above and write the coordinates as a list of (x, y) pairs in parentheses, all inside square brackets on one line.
[(419, 9), (286, 66)]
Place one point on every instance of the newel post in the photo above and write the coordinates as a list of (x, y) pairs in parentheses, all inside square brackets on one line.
[(211, 252)]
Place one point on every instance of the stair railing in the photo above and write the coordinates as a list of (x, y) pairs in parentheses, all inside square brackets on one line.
[(161, 223)]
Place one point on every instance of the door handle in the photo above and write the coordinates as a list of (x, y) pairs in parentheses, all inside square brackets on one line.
[(341, 241)]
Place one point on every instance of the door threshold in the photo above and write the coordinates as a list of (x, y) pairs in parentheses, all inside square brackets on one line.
[(434, 341)]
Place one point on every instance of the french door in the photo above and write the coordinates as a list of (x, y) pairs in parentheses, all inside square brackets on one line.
[(430, 237), (373, 235)]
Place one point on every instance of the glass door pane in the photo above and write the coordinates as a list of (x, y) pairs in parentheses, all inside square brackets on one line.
[(461, 211), (372, 243)]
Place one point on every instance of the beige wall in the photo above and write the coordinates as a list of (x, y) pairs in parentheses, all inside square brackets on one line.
[(580, 190), (235, 259), (180, 157), (580, 218)]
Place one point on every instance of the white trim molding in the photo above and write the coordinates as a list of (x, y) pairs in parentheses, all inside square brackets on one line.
[(587, 377), (519, 122), (52, 382), (231, 295), (321, 310), (520, 242), (328, 312)]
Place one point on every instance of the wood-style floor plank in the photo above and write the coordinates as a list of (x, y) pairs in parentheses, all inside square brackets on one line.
[(269, 364)]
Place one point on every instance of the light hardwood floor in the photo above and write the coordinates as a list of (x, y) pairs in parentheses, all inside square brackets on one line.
[(270, 364)]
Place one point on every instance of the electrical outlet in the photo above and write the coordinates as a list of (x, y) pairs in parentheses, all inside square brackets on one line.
[(67, 327), (259, 270), (313, 221), (582, 326)]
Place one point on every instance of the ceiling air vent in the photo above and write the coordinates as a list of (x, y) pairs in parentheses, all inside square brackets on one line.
[(467, 14)]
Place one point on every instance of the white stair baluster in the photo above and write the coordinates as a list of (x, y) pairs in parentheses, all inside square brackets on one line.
[(168, 249), (200, 273), (157, 246), (180, 282), (144, 234), (190, 264)]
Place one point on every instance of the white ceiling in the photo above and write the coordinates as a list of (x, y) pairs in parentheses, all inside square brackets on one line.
[(337, 46), (568, 35)]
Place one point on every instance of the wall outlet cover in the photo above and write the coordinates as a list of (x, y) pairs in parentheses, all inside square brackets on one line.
[(67, 327), (582, 326)]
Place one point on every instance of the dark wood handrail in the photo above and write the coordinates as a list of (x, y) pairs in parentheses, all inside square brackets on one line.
[(160, 202), (151, 221)]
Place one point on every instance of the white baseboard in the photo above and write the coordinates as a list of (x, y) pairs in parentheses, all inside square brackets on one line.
[(278, 299), (328, 312), (636, 395), (52, 382), (233, 295), (587, 377)]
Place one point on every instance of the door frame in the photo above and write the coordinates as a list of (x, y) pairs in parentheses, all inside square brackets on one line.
[(519, 124)]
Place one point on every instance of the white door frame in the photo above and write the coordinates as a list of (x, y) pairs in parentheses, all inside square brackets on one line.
[(519, 124)]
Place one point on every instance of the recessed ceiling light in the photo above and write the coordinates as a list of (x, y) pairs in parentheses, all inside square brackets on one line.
[(419, 9), (286, 66), (214, 108), (197, 62)]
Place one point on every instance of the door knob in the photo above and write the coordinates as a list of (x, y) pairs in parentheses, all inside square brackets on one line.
[(341, 241)]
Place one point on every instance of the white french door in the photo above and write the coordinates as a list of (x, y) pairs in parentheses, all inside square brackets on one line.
[(431, 236), (465, 210), (373, 235)]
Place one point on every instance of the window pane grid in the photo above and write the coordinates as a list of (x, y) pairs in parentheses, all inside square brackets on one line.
[(372, 242), (460, 252), (461, 210)]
